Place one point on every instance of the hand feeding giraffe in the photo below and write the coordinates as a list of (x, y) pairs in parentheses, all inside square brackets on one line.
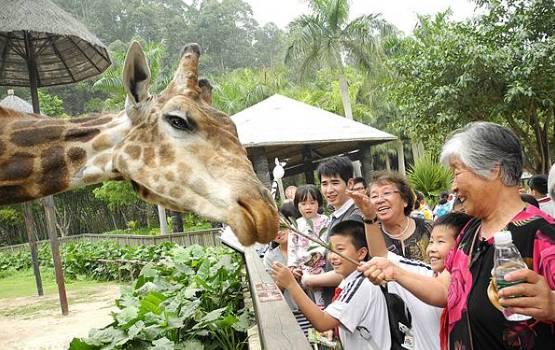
[(176, 149)]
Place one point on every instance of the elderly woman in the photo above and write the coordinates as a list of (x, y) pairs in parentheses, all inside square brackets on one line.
[(487, 163), (392, 200)]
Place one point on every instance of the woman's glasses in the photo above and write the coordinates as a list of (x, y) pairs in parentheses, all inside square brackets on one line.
[(385, 195)]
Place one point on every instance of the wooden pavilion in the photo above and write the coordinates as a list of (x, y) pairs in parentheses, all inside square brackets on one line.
[(302, 135)]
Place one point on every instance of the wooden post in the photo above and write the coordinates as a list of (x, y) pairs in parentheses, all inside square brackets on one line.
[(163, 221), (401, 157), (366, 160), (308, 165), (260, 165), (29, 226), (48, 203)]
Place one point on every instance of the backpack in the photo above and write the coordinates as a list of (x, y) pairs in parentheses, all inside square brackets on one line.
[(400, 321)]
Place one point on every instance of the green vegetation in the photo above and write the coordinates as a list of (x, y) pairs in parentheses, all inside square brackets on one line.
[(22, 283), (430, 177), (81, 259), (190, 299)]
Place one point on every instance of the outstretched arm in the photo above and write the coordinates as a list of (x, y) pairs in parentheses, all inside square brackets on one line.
[(374, 236), (319, 319), (431, 290)]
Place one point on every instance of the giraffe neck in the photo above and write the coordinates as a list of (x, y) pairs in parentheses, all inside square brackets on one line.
[(42, 156)]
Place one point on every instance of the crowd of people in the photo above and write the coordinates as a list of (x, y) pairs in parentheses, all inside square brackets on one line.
[(385, 240)]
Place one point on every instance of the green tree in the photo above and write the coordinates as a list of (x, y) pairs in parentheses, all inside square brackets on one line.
[(500, 68), (325, 38), (50, 105)]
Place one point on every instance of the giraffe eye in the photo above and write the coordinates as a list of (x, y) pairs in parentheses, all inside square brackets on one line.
[(179, 122)]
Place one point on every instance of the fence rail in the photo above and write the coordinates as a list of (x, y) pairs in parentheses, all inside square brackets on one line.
[(204, 238)]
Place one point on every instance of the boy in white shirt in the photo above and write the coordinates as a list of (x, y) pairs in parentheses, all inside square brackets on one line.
[(359, 309)]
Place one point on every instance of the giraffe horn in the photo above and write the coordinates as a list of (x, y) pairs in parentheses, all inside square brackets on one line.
[(186, 76)]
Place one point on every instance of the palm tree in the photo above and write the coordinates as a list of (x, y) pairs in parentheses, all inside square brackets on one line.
[(326, 38)]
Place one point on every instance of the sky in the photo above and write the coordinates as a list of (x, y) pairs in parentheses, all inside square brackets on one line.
[(401, 13)]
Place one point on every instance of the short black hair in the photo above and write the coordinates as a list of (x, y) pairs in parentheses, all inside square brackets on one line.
[(305, 191), (528, 198), (454, 220), (538, 183), (352, 228), (337, 166), (360, 179), (289, 210)]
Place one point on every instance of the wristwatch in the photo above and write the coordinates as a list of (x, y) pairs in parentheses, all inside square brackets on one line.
[(370, 221)]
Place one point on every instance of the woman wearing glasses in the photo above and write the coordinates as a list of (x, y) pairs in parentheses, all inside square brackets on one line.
[(393, 201)]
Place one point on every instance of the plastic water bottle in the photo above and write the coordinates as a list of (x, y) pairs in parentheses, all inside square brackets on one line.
[(507, 259)]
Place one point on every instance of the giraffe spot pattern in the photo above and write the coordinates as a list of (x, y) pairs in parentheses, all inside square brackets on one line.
[(102, 142), (133, 151), (169, 176), (97, 121), (2, 148), (14, 194), (38, 136), (166, 154), (17, 167), (80, 135), (54, 171), (148, 157), (76, 155)]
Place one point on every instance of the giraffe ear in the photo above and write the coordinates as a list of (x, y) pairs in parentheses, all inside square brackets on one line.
[(205, 90), (136, 74)]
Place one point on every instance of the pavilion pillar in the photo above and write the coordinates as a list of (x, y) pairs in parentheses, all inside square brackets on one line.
[(260, 165), (308, 165), (367, 164)]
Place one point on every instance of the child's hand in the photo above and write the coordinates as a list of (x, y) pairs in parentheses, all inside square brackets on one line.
[(379, 270), (362, 201), (282, 275), (297, 273)]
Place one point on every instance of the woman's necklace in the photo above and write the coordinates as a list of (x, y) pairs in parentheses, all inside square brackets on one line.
[(400, 236)]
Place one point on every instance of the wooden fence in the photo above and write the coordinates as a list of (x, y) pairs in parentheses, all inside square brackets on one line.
[(204, 238)]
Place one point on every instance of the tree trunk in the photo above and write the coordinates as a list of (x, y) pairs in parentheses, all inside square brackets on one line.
[(401, 157), (344, 91), (163, 222), (387, 163)]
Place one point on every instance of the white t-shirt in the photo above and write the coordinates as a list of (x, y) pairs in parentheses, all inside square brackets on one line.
[(425, 318), (362, 313)]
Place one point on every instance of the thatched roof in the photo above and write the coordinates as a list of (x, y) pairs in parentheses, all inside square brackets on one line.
[(16, 103), (65, 51), (283, 126)]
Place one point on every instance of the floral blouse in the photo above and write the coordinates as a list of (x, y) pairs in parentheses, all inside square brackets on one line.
[(474, 318)]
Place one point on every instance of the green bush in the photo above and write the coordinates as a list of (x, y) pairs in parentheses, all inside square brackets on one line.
[(430, 177), (190, 299)]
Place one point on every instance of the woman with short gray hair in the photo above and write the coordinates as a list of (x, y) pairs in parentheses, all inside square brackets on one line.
[(486, 160)]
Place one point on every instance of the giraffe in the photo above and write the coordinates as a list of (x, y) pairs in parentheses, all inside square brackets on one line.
[(175, 148)]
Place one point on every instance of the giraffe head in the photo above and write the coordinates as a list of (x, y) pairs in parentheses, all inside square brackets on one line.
[(185, 155)]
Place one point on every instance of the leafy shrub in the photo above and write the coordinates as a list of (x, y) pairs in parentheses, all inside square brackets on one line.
[(430, 177), (190, 299)]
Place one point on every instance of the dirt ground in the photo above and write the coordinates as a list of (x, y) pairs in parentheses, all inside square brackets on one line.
[(33, 323)]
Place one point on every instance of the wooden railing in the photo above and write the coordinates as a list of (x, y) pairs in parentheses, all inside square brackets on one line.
[(204, 238), (277, 327)]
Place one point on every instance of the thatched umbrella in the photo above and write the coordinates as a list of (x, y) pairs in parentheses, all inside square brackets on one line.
[(42, 45)]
